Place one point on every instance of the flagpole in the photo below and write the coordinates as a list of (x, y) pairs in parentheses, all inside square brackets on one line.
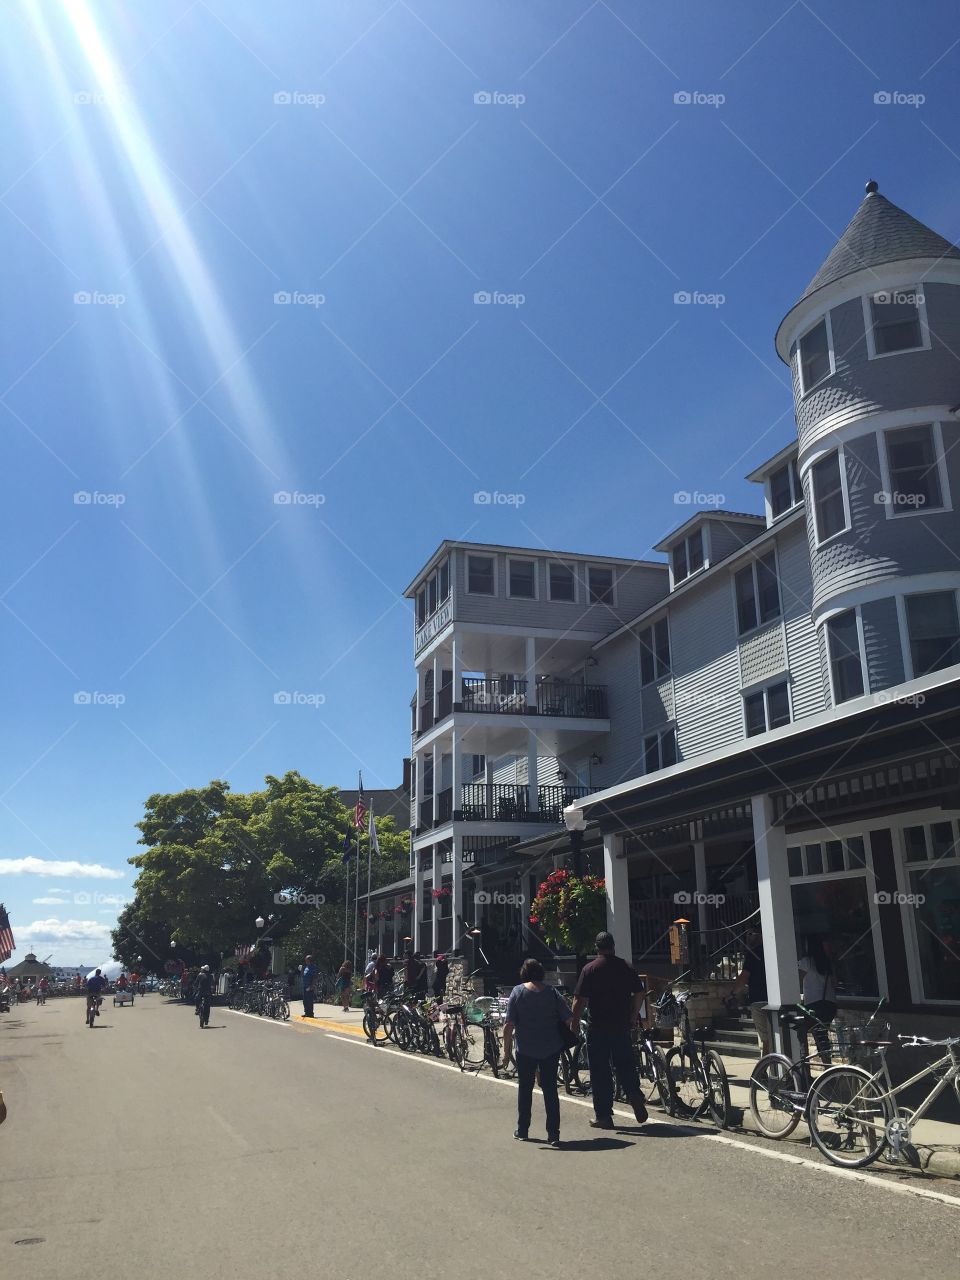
[(366, 932)]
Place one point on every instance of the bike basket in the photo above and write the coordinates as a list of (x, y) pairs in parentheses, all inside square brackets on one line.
[(666, 1012)]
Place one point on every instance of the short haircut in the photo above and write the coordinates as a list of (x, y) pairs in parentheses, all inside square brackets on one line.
[(531, 971)]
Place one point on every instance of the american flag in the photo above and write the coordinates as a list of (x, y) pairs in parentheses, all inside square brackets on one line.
[(360, 814), (7, 944)]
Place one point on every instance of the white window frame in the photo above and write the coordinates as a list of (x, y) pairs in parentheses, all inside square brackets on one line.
[(658, 733), (572, 570), (844, 831), (872, 353), (865, 673), (792, 466), (805, 391), (614, 583), (536, 577), (902, 622), (897, 823), (890, 510), (657, 679), (482, 595), (761, 686), (844, 493), (752, 566)]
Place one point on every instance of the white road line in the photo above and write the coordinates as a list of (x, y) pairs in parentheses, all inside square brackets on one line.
[(855, 1175)]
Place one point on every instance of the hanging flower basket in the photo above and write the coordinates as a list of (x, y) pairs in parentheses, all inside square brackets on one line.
[(569, 911)]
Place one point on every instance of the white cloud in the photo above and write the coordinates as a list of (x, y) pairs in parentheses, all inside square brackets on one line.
[(67, 931), (55, 867), (50, 902)]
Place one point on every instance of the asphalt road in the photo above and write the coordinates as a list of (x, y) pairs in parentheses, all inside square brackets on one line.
[(147, 1148)]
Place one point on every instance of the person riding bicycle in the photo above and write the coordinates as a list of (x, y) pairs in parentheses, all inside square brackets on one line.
[(95, 986), (203, 990)]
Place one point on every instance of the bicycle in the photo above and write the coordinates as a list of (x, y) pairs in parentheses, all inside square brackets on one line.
[(700, 1084), (780, 1087), (847, 1107)]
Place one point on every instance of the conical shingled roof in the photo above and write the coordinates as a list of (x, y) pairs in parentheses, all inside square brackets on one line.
[(879, 232)]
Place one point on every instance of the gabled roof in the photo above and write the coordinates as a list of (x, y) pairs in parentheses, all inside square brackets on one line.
[(879, 232)]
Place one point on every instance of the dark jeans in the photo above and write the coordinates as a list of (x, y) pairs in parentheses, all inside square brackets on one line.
[(307, 1003), (526, 1075), (606, 1048)]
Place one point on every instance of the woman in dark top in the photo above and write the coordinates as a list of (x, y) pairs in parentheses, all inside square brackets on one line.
[(533, 1012)]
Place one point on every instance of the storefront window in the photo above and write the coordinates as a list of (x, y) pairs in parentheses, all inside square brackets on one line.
[(839, 912), (937, 894)]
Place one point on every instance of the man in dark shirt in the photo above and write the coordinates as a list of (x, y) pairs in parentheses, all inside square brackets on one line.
[(614, 992), (754, 975)]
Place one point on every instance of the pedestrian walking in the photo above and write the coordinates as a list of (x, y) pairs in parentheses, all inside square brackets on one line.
[(534, 1012), (343, 987), (441, 971), (754, 976), (309, 986), (613, 991)]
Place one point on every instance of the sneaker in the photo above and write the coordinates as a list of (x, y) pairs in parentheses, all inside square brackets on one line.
[(602, 1122), (639, 1107), (520, 1135)]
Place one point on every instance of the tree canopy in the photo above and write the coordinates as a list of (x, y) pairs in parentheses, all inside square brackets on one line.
[(214, 860)]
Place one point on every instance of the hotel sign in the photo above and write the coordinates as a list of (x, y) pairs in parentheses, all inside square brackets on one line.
[(433, 626)]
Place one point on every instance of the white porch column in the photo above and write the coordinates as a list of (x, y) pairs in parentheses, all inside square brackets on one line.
[(457, 924), (417, 898), (435, 902), (618, 896), (700, 875), (530, 671), (533, 779), (776, 909)]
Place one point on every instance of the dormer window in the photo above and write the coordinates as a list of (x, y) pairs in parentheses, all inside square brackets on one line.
[(895, 321), (815, 356), (687, 556), (784, 488)]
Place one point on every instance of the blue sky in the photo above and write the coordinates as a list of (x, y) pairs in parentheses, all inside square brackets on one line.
[(183, 162)]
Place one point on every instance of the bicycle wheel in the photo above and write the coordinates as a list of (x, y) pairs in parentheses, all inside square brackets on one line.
[(655, 1077), (774, 1085), (718, 1089), (848, 1114), (689, 1082)]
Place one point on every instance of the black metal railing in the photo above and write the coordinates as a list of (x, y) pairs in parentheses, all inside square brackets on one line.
[(553, 801), (506, 695), (556, 699)]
